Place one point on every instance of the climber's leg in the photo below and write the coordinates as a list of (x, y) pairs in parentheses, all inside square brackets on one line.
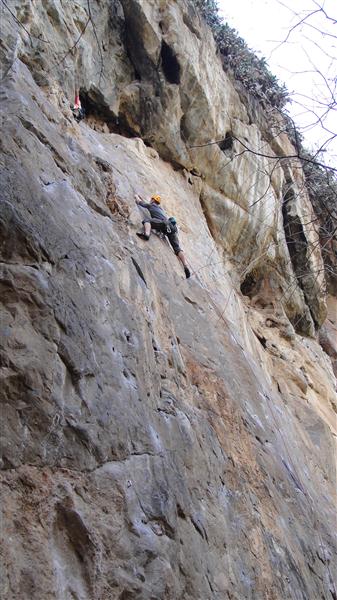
[(174, 241), (145, 235), (147, 228), (182, 259)]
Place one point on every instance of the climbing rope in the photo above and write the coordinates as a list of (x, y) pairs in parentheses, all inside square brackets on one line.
[(293, 471)]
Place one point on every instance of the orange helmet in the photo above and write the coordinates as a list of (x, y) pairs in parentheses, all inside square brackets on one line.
[(156, 198)]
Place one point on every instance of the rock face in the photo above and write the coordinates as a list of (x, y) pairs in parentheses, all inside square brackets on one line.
[(162, 438)]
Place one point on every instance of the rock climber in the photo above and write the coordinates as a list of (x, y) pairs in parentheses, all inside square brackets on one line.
[(77, 109), (159, 221)]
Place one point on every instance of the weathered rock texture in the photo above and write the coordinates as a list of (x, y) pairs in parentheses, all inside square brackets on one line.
[(162, 438)]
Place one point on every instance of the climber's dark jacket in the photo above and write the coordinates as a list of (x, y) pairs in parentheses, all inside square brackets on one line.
[(155, 211)]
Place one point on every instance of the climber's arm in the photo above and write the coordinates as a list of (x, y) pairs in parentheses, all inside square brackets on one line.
[(141, 202)]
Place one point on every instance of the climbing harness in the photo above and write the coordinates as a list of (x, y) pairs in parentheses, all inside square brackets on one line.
[(171, 225)]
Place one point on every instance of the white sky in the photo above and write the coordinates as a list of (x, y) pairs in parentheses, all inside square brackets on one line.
[(306, 62)]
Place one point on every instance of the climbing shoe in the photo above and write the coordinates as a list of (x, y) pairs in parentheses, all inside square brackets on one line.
[(187, 272), (143, 236)]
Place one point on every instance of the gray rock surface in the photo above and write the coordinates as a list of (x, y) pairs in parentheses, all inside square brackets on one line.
[(162, 438)]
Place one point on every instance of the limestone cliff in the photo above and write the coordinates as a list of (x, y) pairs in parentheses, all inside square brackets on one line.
[(162, 438)]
